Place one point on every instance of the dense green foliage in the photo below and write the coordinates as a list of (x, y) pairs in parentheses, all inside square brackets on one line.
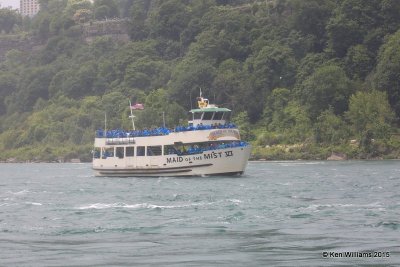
[(303, 77)]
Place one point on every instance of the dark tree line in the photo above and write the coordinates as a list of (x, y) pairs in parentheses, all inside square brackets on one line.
[(316, 71)]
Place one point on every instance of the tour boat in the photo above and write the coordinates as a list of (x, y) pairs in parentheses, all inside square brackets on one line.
[(209, 145)]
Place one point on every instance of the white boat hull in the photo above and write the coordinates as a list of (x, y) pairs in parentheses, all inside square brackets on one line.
[(228, 161)]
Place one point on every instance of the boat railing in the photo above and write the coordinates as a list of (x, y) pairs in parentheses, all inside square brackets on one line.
[(204, 127), (120, 141), (113, 134)]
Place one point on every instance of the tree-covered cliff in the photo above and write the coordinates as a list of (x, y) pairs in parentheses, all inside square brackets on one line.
[(303, 78)]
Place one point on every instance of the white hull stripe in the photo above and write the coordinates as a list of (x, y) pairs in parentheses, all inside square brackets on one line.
[(151, 170)]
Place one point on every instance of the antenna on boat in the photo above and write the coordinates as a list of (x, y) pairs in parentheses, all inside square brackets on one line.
[(132, 116), (105, 124), (163, 118)]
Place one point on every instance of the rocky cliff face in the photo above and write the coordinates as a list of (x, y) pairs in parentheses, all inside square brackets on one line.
[(116, 29), (22, 43)]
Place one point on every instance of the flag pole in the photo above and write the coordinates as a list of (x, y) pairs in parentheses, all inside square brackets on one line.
[(132, 116)]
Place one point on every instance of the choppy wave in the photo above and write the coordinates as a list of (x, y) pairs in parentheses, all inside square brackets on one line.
[(273, 216), (394, 225)]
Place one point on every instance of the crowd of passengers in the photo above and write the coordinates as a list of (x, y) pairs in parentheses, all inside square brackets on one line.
[(160, 130)]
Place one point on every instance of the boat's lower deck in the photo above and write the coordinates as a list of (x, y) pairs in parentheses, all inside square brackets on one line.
[(215, 162)]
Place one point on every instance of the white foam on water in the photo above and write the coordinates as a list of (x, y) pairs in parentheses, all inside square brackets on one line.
[(298, 163), (318, 207), (33, 228), (236, 201), (34, 203), (137, 206), (285, 184), (23, 192)]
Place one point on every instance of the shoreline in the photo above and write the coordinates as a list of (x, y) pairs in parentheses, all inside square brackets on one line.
[(259, 154), (250, 160)]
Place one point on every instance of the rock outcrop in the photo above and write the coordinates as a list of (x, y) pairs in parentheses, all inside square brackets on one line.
[(337, 156)]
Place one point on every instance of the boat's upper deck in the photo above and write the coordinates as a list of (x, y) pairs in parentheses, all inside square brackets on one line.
[(118, 133), (208, 123), (162, 136)]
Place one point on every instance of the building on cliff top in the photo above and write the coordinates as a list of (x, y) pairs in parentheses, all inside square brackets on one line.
[(29, 7)]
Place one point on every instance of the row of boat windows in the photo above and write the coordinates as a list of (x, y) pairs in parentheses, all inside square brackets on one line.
[(129, 151), (150, 151), (209, 116)]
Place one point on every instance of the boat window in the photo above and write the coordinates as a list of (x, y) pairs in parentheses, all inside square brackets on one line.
[(108, 152), (119, 152), (197, 115), (96, 152), (130, 151), (154, 151), (140, 151), (207, 116), (170, 150), (218, 116)]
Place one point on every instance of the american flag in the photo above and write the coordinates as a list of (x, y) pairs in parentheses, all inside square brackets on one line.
[(137, 106)]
